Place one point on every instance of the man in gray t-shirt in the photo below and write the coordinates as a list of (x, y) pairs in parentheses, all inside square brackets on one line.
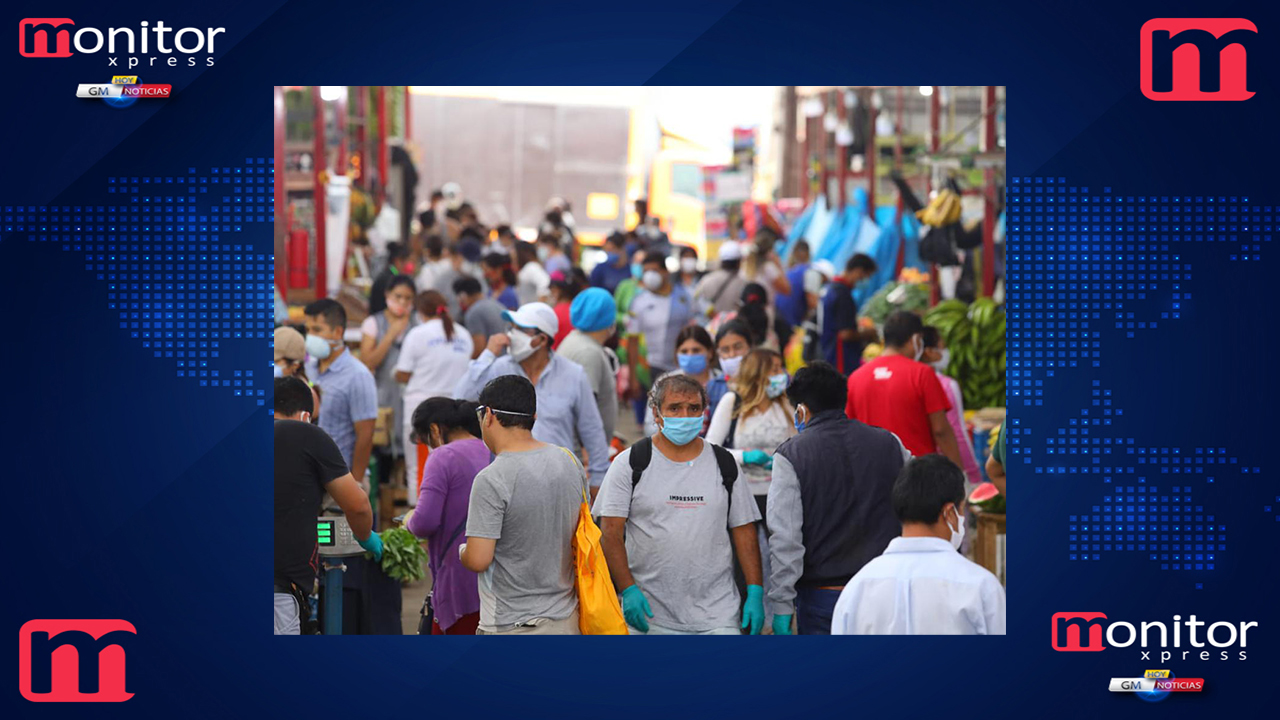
[(481, 316), (676, 562), (521, 519)]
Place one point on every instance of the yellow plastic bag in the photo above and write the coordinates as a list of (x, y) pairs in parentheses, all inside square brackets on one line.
[(598, 610), (793, 353)]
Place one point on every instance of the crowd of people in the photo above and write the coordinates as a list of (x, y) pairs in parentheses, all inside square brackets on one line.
[(830, 499)]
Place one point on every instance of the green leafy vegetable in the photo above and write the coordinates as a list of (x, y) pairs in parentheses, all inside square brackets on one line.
[(403, 556)]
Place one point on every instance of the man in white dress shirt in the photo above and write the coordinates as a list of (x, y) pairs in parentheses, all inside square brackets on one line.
[(921, 585)]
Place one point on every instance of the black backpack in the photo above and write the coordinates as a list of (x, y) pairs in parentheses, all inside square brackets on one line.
[(642, 453)]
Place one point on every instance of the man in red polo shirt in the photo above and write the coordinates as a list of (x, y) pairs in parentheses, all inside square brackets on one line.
[(902, 395)]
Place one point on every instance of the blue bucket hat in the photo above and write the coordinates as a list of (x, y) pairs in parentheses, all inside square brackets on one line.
[(593, 309)]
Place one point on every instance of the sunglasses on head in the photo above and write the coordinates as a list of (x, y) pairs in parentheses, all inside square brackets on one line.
[(480, 412)]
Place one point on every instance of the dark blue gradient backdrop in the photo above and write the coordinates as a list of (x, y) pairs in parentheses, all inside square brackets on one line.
[(142, 492)]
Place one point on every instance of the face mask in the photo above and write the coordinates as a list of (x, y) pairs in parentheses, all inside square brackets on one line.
[(957, 534), (777, 385), (692, 364), (318, 347), (543, 253), (688, 265), (637, 270), (730, 365), (681, 431), (279, 371), (610, 259), (398, 308), (521, 345), (941, 364), (800, 424), (652, 279)]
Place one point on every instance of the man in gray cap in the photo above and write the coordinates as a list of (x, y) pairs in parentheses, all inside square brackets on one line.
[(593, 314)]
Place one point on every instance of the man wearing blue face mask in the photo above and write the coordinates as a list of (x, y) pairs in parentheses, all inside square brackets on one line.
[(666, 503)]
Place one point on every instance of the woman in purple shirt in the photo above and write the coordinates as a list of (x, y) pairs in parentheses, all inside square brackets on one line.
[(450, 429)]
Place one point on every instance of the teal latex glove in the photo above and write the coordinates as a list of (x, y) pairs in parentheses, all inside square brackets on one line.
[(781, 624), (753, 609), (635, 606), (373, 544), (756, 457)]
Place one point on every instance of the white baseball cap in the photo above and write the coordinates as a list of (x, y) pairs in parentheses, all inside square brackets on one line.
[(535, 315), (826, 267), (729, 250)]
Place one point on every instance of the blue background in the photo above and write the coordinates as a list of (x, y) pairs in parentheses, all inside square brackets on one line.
[(140, 494)]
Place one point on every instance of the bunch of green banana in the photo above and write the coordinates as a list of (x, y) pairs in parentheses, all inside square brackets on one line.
[(943, 210), (975, 336)]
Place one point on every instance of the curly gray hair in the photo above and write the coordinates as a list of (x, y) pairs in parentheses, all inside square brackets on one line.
[(677, 382)]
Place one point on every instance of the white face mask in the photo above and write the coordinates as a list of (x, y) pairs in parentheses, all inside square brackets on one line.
[(652, 279), (957, 533), (943, 361), (730, 365), (688, 265), (543, 253), (521, 345)]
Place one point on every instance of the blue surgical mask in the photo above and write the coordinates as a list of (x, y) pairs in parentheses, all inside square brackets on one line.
[(611, 258), (318, 347), (693, 363), (777, 385), (800, 424), (279, 371), (637, 270), (682, 431)]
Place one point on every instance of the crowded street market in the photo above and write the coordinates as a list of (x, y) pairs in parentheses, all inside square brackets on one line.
[(647, 361)]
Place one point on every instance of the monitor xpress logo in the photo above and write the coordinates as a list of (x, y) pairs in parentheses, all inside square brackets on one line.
[(74, 660), (1197, 59), (126, 47), (1085, 632)]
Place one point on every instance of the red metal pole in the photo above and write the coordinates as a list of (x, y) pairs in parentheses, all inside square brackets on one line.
[(318, 153), (871, 156), (935, 111), (277, 171), (362, 138), (988, 193), (897, 166), (340, 164), (842, 151), (804, 164), (382, 145)]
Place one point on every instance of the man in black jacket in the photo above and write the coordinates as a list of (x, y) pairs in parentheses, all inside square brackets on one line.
[(829, 509)]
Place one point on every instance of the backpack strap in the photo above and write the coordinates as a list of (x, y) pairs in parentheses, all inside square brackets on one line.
[(641, 454), (733, 423), (728, 470)]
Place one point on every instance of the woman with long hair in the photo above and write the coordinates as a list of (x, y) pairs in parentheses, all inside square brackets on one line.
[(434, 357), (449, 427), (754, 418), (762, 265), (533, 282), (382, 336)]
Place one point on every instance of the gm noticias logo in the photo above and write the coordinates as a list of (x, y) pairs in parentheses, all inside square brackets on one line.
[(1197, 59), (74, 660)]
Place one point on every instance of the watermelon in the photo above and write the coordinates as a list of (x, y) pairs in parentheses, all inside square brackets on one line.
[(987, 498), (983, 493)]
